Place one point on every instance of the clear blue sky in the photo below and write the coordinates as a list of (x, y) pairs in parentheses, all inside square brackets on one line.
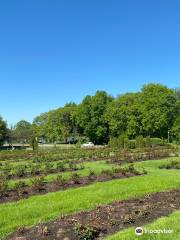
[(53, 52)]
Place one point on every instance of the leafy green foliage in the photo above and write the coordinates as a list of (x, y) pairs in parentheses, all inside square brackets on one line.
[(22, 132), (3, 185), (19, 187), (60, 180), (90, 117), (157, 109), (75, 178), (153, 112), (37, 183), (150, 112), (176, 128), (85, 232), (3, 131), (171, 165)]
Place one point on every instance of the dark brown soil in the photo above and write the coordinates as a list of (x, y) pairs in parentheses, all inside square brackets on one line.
[(25, 192), (104, 220)]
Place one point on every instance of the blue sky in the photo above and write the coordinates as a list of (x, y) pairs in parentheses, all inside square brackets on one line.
[(53, 52)]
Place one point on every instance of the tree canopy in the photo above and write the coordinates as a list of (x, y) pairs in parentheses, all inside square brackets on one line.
[(3, 131), (154, 111), (22, 132)]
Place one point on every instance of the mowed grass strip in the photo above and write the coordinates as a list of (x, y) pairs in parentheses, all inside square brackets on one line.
[(45, 207), (170, 222)]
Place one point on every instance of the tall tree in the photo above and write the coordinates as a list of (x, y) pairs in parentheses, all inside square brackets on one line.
[(23, 131), (177, 93), (158, 109), (123, 115), (175, 130), (90, 117), (61, 123), (3, 131), (39, 124)]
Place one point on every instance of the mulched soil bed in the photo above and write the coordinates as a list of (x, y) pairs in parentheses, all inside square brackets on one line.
[(104, 220), (12, 195)]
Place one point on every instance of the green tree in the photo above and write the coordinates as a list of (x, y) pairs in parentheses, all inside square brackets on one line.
[(34, 144), (158, 109), (23, 131), (90, 117), (38, 126), (123, 115), (61, 123), (3, 131), (151, 112), (175, 131), (177, 93)]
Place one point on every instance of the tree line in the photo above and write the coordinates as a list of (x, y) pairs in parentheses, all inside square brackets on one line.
[(153, 111)]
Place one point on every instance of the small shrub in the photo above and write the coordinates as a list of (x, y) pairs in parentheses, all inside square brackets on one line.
[(6, 168), (107, 172), (37, 183), (171, 165), (85, 232), (60, 180), (120, 170), (132, 169), (148, 142), (140, 143), (91, 174), (33, 170), (131, 144), (157, 142), (73, 166), (19, 187), (21, 230), (121, 142), (48, 167), (81, 167), (42, 229), (144, 171), (60, 166), (75, 178), (3, 185), (20, 171)]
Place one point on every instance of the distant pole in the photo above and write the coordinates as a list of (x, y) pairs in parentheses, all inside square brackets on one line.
[(168, 136)]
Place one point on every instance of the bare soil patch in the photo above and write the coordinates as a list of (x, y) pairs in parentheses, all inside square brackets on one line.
[(104, 220)]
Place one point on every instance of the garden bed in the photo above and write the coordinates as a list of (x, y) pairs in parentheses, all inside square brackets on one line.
[(171, 165), (39, 186), (104, 220)]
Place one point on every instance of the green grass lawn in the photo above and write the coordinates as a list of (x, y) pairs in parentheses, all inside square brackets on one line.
[(170, 222), (45, 207)]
